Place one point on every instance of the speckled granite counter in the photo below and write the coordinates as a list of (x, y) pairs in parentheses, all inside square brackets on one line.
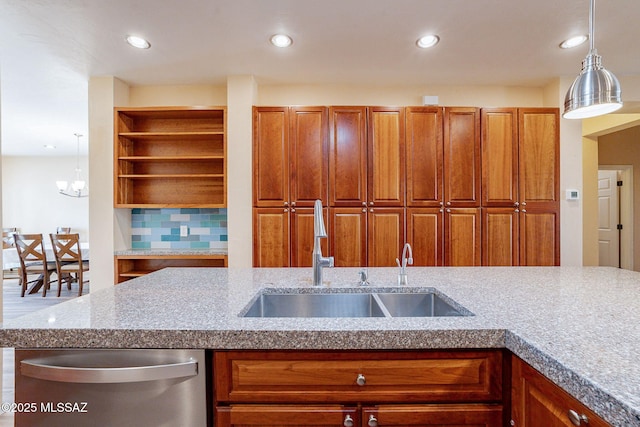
[(165, 252), (578, 326)]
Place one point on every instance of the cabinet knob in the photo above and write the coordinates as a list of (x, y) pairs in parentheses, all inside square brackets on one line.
[(364, 203), (361, 380), (293, 203), (577, 419), (441, 204), (441, 210), (364, 210), (348, 421), (524, 203), (523, 211), (293, 210), (448, 203), (286, 210), (517, 210), (370, 203), (373, 421), (448, 210), (286, 203), (371, 210), (516, 204)]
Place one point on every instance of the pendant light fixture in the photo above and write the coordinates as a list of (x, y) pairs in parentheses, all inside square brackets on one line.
[(595, 91), (78, 186)]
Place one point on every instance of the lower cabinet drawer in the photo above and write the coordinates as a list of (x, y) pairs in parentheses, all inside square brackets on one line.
[(345, 377), (476, 415), (286, 415)]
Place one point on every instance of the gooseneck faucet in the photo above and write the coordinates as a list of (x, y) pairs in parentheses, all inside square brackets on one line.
[(402, 275), (319, 232)]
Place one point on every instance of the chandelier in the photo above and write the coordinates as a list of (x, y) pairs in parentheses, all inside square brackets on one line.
[(77, 187)]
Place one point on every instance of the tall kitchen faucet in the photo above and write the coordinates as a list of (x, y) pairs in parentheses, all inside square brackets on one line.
[(319, 232)]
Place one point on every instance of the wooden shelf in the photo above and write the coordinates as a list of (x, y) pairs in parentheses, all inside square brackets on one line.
[(132, 266), (170, 156)]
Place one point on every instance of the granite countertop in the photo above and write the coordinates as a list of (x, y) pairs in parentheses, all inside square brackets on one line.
[(578, 326)]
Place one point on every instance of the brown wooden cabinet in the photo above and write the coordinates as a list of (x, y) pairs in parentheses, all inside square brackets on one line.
[(462, 165), (537, 402), (386, 154), (170, 157), (462, 235), (132, 266), (348, 236), (272, 388), (385, 236), (425, 234), (290, 156), (520, 172)]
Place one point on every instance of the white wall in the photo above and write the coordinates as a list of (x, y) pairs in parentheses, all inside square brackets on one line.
[(30, 198)]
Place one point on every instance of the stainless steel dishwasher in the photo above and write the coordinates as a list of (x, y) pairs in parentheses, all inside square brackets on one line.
[(110, 388)]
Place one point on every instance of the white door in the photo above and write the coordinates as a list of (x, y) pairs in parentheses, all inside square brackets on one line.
[(608, 218)]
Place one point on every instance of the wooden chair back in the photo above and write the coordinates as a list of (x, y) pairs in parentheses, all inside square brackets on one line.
[(33, 260), (66, 247), (30, 249), (7, 237)]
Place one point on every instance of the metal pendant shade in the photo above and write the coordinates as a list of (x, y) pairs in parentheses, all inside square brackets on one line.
[(595, 91)]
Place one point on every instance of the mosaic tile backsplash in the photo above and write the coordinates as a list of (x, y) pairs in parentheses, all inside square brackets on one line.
[(160, 228)]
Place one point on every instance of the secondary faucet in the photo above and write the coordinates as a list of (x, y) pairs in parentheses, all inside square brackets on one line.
[(319, 232), (402, 275)]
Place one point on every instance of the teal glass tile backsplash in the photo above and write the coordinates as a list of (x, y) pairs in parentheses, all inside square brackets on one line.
[(159, 228)]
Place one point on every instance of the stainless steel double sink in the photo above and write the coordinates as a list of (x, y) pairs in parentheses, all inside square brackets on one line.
[(354, 302)]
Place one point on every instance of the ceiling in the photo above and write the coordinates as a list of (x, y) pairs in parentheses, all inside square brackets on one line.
[(50, 48)]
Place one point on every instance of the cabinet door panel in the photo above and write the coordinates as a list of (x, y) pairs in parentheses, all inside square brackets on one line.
[(386, 171), (270, 237), (539, 237), (270, 156), (434, 415), (539, 155), (347, 156), (385, 236), (500, 237), (284, 415), (499, 156), (424, 156), (537, 402), (309, 155), (462, 237), (302, 237), (462, 157), (348, 235), (424, 234)]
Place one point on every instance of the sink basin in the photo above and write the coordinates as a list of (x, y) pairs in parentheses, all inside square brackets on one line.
[(427, 304), (362, 303), (315, 305)]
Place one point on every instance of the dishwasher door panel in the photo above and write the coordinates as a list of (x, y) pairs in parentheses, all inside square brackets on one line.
[(154, 388)]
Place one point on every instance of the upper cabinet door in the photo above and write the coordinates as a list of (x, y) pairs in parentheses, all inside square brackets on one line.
[(462, 157), (539, 156), (499, 156), (386, 171), (347, 156), (424, 153), (309, 150), (270, 156)]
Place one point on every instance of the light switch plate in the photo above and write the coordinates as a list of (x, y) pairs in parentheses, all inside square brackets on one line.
[(573, 194)]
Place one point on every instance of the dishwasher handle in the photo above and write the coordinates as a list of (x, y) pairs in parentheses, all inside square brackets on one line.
[(40, 369)]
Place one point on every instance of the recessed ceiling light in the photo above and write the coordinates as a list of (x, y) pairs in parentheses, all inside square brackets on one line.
[(138, 42), (573, 41), (425, 42), (281, 40)]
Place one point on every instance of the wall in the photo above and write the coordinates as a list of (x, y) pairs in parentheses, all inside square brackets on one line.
[(30, 198), (623, 148)]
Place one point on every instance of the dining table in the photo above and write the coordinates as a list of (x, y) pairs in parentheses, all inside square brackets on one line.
[(11, 260)]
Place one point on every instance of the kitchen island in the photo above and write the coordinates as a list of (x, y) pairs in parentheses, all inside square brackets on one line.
[(577, 326)]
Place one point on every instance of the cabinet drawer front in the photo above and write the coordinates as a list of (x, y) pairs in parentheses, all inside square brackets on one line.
[(435, 415), (285, 415), (334, 376)]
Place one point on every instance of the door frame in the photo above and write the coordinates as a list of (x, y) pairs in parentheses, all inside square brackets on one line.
[(626, 213)]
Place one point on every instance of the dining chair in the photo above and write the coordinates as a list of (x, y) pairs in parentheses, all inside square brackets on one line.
[(68, 255), (33, 260)]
